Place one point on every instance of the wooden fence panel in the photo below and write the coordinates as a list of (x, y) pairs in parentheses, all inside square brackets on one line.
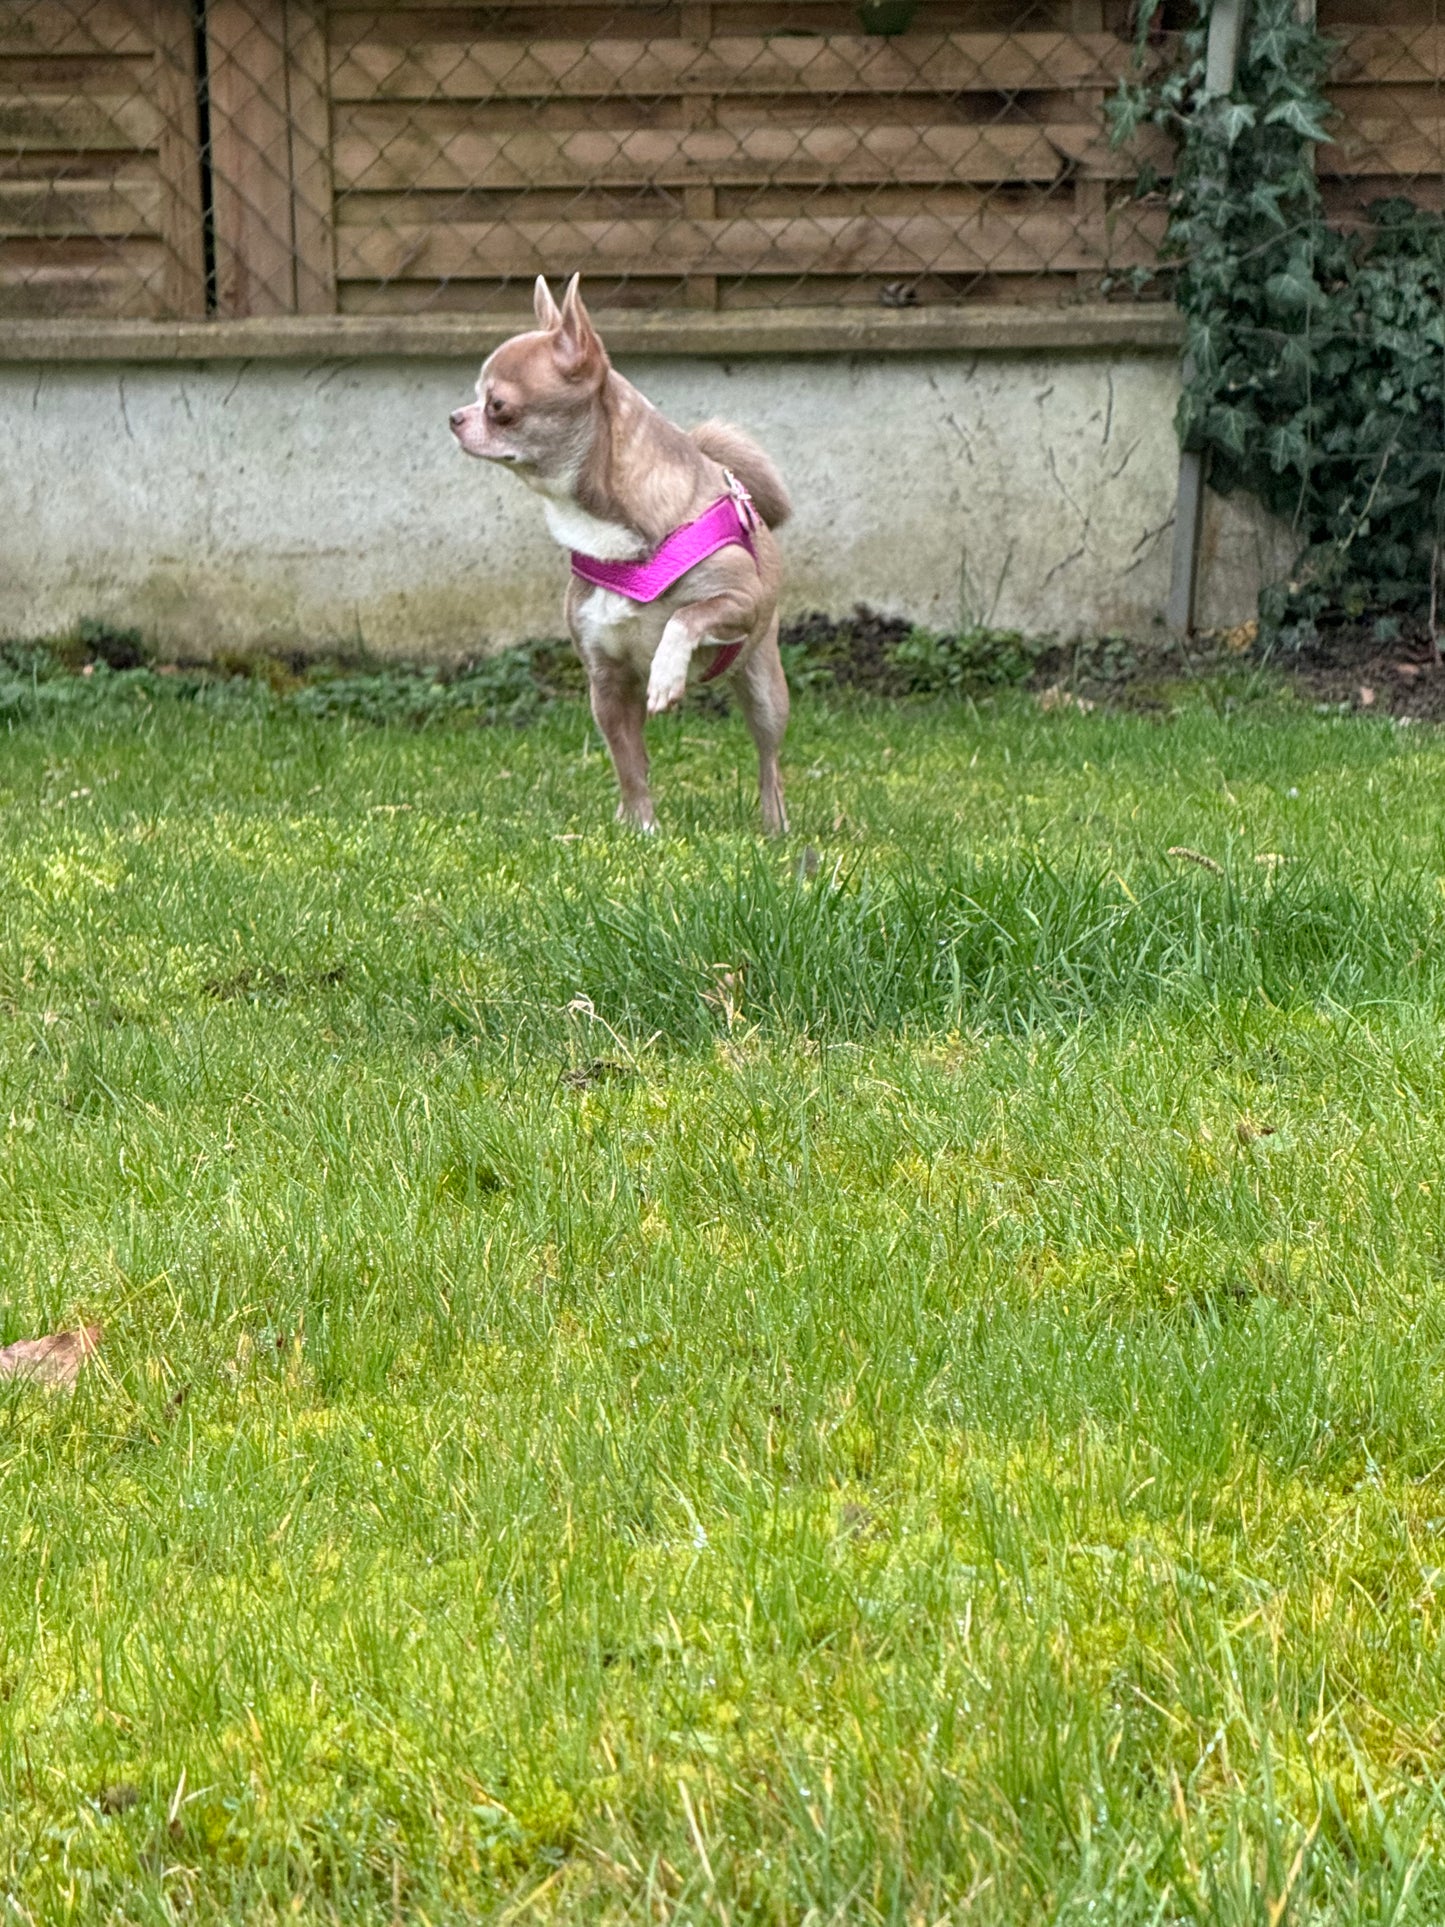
[(422, 154), (270, 157), (700, 155), (99, 170)]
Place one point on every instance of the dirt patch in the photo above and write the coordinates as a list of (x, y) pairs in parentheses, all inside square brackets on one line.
[(856, 651), (1354, 667)]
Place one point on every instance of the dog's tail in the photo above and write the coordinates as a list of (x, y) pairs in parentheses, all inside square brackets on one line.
[(738, 452)]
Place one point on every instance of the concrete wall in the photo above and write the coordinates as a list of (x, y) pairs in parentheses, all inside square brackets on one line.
[(284, 503)]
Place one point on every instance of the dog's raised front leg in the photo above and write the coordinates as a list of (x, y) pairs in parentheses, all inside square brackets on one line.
[(617, 705), (763, 693), (722, 618)]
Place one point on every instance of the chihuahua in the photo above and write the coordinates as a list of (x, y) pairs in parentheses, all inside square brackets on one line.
[(674, 568)]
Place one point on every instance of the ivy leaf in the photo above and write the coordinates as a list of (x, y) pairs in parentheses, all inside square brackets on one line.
[(1313, 374), (1287, 447), (1235, 117), (1293, 291), (1265, 201), (1229, 428), (1296, 115), (1127, 110)]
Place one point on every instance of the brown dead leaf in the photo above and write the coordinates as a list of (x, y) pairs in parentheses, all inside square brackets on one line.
[(55, 1359), (727, 991), (1237, 640), (584, 1076), (1409, 670), (855, 1519), (1367, 695), (1057, 697)]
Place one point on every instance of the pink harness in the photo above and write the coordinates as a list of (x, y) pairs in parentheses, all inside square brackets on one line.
[(730, 521)]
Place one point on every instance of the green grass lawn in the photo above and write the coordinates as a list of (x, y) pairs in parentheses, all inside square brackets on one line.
[(664, 1378)]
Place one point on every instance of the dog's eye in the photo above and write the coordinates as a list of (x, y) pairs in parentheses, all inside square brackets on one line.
[(499, 412)]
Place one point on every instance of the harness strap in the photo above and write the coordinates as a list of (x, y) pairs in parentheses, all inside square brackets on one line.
[(731, 521)]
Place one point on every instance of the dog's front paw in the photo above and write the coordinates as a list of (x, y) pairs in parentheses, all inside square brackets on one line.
[(638, 816), (665, 689)]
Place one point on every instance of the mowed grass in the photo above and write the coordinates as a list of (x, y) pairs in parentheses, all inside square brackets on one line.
[(898, 1376)]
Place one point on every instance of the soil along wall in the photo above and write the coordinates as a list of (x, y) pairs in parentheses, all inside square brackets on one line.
[(321, 505)]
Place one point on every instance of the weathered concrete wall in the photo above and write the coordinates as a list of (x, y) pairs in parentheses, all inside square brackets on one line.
[(282, 504)]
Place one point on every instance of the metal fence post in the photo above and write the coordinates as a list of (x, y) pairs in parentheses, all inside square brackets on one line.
[(1226, 18)]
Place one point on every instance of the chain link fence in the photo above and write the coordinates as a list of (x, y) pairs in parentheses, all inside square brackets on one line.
[(1388, 137), (264, 157)]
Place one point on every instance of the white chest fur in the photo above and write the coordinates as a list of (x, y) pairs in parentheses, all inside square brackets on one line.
[(612, 627), (570, 525)]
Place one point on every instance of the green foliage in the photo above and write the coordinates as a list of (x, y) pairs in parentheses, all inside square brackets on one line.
[(974, 658), (512, 687), (890, 657), (101, 668), (1315, 358), (509, 687)]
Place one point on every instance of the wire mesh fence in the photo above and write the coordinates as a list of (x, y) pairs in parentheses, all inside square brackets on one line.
[(1388, 90), (248, 157), (263, 157)]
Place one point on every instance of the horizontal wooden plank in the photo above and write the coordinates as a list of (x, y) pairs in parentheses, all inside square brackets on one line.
[(77, 125), (116, 287), (1334, 17), (1417, 100), (1047, 237), (1383, 146), (109, 207), (437, 149), (50, 27), (1390, 54), (642, 69)]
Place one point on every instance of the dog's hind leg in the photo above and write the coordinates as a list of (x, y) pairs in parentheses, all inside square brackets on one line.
[(763, 693), (619, 706)]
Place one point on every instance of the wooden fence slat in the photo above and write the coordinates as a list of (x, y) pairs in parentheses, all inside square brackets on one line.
[(1390, 54), (110, 208), (50, 29), (178, 157), (991, 240), (1370, 147), (79, 275), (74, 125), (378, 152), (699, 197), (311, 161), (250, 157), (1088, 146), (643, 69)]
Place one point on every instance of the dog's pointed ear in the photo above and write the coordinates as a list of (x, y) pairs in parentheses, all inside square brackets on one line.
[(548, 314), (579, 346)]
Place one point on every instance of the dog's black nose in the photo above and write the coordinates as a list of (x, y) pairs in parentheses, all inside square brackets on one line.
[(458, 416)]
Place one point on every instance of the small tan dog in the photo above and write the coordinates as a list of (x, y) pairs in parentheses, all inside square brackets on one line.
[(672, 551)]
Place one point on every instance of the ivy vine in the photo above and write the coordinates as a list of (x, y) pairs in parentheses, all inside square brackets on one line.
[(1315, 369)]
